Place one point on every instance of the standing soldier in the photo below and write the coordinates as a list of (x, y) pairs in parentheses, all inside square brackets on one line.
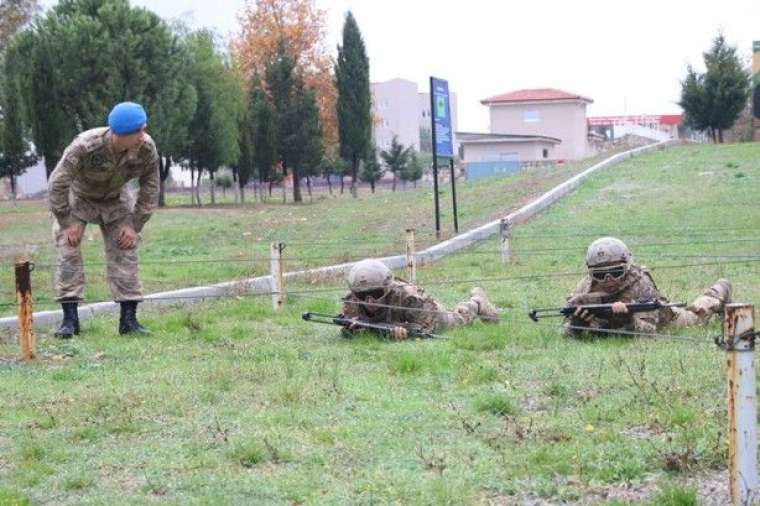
[(376, 297), (614, 279), (89, 185)]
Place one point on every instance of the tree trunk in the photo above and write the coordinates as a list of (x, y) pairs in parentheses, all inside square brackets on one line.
[(198, 188), (192, 184), (50, 162), (342, 183), (354, 170), (213, 187), (329, 184), (164, 167), (242, 192), (13, 188), (296, 186), (270, 188), (720, 135), (394, 182), (372, 185)]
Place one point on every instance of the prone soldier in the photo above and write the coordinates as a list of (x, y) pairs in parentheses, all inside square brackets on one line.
[(614, 279), (377, 297), (89, 185)]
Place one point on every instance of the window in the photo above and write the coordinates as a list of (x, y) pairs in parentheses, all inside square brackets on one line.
[(531, 117), (546, 153)]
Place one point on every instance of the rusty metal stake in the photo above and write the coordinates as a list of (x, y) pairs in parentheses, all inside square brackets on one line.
[(411, 265), (504, 231), (739, 343), (278, 282), (24, 299)]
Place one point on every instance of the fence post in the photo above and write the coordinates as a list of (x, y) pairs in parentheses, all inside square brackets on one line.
[(739, 343), (23, 270), (504, 231), (411, 266), (278, 282)]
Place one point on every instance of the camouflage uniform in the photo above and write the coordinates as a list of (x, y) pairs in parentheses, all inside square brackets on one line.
[(433, 318), (638, 285), (89, 185)]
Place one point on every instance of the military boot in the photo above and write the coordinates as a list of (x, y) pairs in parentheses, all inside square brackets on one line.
[(128, 323), (486, 310), (70, 324), (713, 300)]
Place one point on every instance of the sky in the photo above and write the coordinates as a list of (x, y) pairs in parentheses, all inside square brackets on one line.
[(628, 57)]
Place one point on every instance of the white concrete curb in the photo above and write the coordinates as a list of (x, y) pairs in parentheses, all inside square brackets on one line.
[(262, 284)]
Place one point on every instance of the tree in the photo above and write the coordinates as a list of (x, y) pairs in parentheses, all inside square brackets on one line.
[(396, 159), (263, 136), (214, 134), (714, 100), (296, 118), (354, 99), (14, 14), (15, 152), (85, 56), (300, 26), (413, 169), (371, 171)]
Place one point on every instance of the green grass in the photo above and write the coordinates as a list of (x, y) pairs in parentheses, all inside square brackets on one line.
[(231, 403), (179, 241)]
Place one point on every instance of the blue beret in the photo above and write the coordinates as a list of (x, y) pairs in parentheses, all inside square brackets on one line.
[(126, 118)]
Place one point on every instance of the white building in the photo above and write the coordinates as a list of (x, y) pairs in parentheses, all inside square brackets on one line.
[(400, 109)]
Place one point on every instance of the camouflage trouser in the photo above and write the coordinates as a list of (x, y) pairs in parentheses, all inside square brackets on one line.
[(121, 266), (698, 312), (463, 313)]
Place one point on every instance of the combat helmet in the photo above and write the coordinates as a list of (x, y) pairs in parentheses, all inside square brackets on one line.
[(607, 251), (369, 275)]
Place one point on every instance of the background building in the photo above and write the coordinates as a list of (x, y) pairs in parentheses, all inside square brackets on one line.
[(398, 108)]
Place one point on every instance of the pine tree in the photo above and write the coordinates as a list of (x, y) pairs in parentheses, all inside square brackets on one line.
[(714, 100), (15, 152), (354, 99), (371, 171), (413, 169), (396, 159)]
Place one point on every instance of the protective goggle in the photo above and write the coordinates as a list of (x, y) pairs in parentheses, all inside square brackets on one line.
[(616, 273), (376, 294)]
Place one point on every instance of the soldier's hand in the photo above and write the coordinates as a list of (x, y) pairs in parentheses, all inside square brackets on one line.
[(127, 238), (619, 307), (399, 333), (73, 234), (583, 314)]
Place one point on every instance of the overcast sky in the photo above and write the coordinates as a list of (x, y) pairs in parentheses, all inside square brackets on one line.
[(626, 56)]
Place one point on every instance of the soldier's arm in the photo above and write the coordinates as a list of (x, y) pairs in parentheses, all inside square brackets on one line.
[(147, 199), (646, 290), (60, 182), (422, 312)]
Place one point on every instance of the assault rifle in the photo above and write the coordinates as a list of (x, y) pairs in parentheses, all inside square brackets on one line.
[(601, 310), (383, 328)]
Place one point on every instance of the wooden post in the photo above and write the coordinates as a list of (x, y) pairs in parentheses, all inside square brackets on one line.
[(278, 282), (504, 230), (24, 299), (739, 343), (411, 266)]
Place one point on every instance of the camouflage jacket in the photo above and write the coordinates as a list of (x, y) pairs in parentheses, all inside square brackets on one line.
[(90, 181), (411, 306), (638, 286)]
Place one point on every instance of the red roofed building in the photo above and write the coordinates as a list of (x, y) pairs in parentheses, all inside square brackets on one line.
[(543, 112)]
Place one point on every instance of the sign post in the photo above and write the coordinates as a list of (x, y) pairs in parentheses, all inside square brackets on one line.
[(440, 117)]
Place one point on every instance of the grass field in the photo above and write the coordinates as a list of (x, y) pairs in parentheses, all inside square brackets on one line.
[(230, 403), (184, 246)]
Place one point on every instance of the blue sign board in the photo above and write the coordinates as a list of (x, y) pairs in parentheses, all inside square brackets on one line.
[(441, 117)]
